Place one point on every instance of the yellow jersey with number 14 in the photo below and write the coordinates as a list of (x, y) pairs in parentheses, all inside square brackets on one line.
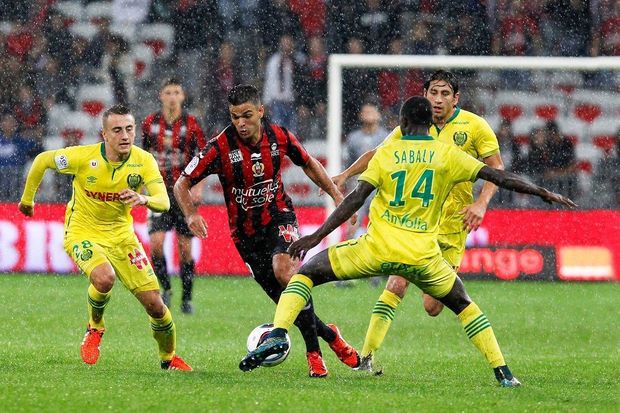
[(95, 209), (413, 176), (471, 134)]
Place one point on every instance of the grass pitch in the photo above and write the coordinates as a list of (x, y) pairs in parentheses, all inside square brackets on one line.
[(561, 340)]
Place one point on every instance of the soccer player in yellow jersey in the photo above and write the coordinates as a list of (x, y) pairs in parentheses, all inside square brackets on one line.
[(461, 214), (99, 236), (413, 176)]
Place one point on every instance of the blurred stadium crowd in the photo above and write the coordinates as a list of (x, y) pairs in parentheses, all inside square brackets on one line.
[(63, 62)]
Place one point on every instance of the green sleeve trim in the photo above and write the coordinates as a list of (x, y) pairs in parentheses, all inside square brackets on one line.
[(490, 153), (369, 180), (474, 175)]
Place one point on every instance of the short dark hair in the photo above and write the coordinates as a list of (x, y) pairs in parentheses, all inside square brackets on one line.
[(118, 109), (448, 77), (417, 110), (243, 93), (170, 81)]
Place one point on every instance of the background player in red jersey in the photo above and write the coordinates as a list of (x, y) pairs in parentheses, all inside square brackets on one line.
[(173, 136), (247, 156)]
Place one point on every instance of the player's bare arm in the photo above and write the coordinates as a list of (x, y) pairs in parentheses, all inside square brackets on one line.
[(195, 221), (516, 183), (474, 214), (356, 168), (317, 173), (344, 211)]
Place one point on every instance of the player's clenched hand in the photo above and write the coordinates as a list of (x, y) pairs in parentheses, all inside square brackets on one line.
[(551, 197), (197, 225), (132, 198), (299, 248), (27, 210), (472, 215)]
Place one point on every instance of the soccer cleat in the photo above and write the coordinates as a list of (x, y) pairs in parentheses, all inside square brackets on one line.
[(346, 353), (187, 308), (505, 377), (316, 365), (176, 363), (271, 345), (90, 345), (166, 296), (366, 365)]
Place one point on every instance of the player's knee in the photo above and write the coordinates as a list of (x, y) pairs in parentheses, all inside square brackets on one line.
[(432, 306), (103, 280), (156, 309), (398, 286)]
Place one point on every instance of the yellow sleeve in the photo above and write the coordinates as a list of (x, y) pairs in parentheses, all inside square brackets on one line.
[(392, 136), (157, 200), (372, 174), (485, 140), (42, 162), (462, 166)]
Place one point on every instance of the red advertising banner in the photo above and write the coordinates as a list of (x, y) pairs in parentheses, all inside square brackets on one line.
[(580, 245)]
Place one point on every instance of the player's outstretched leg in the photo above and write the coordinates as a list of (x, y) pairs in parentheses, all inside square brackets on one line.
[(292, 300), (479, 331)]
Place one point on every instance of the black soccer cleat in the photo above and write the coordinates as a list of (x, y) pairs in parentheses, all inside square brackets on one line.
[(272, 345), (505, 378)]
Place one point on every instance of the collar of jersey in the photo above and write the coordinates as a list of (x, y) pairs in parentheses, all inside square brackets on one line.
[(417, 138), (102, 147), (454, 115)]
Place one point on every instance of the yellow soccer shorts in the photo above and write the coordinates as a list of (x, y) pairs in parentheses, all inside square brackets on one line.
[(127, 257), (452, 247), (354, 259)]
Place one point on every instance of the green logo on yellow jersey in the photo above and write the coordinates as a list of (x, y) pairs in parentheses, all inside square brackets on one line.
[(91, 179), (460, 138), (405, 221), (134, 181)]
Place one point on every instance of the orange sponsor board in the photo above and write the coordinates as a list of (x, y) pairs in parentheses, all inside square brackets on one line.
[(585, 263)]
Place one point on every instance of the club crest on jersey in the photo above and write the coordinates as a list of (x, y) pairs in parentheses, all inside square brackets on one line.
[(288, 232), (134, 181), (235, 156), (258, 168), (459, 138)]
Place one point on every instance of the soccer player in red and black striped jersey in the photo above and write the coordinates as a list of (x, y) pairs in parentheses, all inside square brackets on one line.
[(174, 137), (247, 156)]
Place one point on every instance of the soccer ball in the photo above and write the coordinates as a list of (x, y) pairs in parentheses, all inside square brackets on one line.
[(257, 336)]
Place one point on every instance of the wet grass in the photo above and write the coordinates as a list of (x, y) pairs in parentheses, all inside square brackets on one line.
[(561, 340)]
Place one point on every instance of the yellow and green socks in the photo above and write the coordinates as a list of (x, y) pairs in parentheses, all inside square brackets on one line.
[(96, 305), (480, 333), (380, 321), (292, 301), (164, 332)]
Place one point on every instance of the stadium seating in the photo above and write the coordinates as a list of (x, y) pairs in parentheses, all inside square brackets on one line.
[(73, 11), (94, 98), (159, 37), (97, 10)]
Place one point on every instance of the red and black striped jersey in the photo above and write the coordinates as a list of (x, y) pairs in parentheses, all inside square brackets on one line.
[(173, 146), (250, 175)]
